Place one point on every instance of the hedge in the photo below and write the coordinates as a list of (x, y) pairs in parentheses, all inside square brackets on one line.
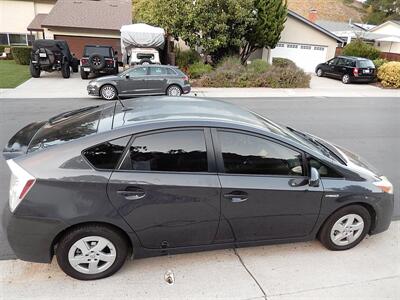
[(361, 49), (21, 54), (389, 74)]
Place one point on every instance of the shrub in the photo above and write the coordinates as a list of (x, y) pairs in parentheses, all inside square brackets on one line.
[(21, 54), (361, 49), (282, 62), (257, 66), (389, 74), (199, 69), (185, 58), (379, 62)]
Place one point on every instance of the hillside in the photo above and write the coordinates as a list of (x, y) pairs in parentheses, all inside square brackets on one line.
[(333, 10)]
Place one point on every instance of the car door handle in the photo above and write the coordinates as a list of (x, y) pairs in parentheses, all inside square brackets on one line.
[(237, 196), (134, 194)]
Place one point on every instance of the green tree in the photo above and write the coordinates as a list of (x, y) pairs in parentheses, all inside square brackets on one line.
[(266, 32), (380, 11), (361, 49)]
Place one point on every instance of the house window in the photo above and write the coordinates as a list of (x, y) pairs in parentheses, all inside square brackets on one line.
[(280, 45), (3, 39), (16, 39), (292, 46), (319, 48), (307, 47)]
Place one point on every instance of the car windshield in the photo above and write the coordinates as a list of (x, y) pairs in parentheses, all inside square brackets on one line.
[(365, 64), (66, 127), (104, 51), (299, 137)]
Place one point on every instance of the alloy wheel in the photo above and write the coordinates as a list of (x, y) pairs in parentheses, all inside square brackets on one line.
[(347, 229), (346, 79), (174, 91), (319, 73), (92, 255), (108, 92)]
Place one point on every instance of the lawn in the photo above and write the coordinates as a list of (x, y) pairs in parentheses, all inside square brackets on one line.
[(12, 74)]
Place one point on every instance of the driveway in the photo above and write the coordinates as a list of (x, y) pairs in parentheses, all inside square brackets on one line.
[(52, 85)]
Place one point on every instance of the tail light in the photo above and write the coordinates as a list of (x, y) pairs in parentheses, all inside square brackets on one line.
[(20, 184), (109, 62), (186, 78), (355, 72), (84, 61), (384, 184)]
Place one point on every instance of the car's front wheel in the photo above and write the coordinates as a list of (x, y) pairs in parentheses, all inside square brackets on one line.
[(345, 228), (92, 252), (346, 78), (108, 92), (65, 70), (320, 73), (174, 91), (35, 72)]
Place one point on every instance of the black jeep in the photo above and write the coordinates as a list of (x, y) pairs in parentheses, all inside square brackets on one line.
[(98, 59), (52, 55)]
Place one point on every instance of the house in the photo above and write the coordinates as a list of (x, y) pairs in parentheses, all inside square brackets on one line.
[(304, 42), (347, 31), (387, 36), (79, 22)]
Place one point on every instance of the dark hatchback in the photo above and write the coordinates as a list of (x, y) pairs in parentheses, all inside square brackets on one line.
[(162, 175), (348, 69)]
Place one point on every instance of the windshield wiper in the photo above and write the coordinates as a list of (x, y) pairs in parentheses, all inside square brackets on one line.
[(67, 114)]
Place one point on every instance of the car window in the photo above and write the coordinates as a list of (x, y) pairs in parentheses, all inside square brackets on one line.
[(350, 63), (104, 51), (365, 64), (247, 154), (174, 151), (136, 72), (157, 71), (324, 170), (106, 155), (333, 61), (170, 71), (341, 62)]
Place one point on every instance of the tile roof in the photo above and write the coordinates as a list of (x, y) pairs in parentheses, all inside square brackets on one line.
[(90, 14), (36, 24)]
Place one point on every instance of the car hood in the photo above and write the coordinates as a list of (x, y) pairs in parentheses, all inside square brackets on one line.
[(106, 78)]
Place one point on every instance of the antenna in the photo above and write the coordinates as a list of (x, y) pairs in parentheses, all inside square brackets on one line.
[(124, 108)]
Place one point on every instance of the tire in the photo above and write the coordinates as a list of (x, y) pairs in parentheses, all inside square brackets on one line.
[(108, 92), (320, 73), (145, 61), (65, 70), (346, 79), (331, 228), (84, 75), (75, 65), (116, 70), (174, 91), (97, 62), (77, 245), (35, 72)]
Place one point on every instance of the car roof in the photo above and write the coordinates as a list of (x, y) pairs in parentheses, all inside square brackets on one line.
[(98, 46), (155, 109), (353, 57), (156, 66)]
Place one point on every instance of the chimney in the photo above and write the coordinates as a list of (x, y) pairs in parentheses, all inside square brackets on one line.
[(313, 15)]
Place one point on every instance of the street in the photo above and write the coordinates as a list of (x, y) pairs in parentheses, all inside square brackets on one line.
[(368, 126)]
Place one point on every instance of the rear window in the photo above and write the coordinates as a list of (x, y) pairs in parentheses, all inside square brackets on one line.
[(66, 127), (104, 51), (365, 64)]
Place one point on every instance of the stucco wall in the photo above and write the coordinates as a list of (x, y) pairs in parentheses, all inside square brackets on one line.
[(388, 47), (388, 28)]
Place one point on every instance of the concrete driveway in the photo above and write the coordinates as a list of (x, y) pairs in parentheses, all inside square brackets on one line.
[(291, 271)]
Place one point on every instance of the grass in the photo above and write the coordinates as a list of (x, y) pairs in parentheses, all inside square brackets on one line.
[(12, 74)]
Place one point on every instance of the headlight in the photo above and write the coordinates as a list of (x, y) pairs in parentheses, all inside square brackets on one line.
[(384, 184), (93, 83)]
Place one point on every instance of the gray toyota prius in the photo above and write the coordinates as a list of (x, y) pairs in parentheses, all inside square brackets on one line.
[(150, 176)]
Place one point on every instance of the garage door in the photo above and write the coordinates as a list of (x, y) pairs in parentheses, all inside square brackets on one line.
[(77, 43), (304, 56)]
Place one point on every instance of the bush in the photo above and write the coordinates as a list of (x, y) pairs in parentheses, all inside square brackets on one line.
[(282, 62), (21, 54), (231, 73), (257, 66), (360, 49), (379, 62), (389, 74), (185, 58), (199, 69)]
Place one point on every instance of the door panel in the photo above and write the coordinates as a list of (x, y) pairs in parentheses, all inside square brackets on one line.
[(157, 79), (135, 83)]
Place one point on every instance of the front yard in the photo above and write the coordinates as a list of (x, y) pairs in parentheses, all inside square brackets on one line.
[(12, 74)]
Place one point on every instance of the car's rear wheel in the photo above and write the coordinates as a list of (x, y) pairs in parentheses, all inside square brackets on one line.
[(345, 228), (108, 92), (65, 70), (320, 73), (92, 252), (35, 72), (346, 78), (84, 75), (174, 90)]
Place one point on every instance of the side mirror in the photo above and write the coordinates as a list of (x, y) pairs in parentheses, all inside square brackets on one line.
[(127, 76), (314, 178)]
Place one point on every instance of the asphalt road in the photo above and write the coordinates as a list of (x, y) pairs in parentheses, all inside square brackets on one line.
[(368, 126)]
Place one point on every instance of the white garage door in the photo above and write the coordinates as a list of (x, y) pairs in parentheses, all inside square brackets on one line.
[(304, 56)]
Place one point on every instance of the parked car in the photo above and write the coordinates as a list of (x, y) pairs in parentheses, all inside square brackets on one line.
[(348, 69), (161, 175), (52, 55), (98, 59), (141, 80)]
